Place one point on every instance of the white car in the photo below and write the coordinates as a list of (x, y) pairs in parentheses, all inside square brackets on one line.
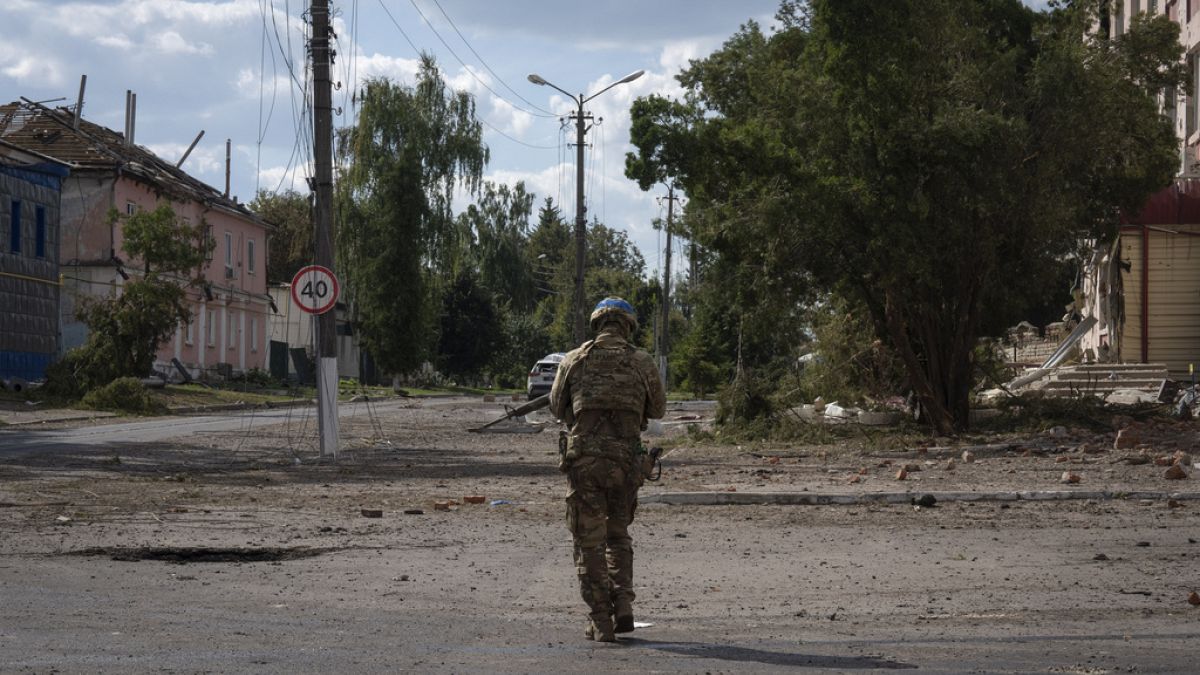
[(541, 376)]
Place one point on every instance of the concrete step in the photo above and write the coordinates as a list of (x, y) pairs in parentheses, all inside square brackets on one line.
[(1118, 368), (1083, 380), (1102, 389)]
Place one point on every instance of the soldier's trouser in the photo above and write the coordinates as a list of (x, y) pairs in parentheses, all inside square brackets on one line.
[(600, 506)]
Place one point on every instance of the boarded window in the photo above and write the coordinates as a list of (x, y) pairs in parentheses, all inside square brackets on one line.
[(14, 238), (39, 237)]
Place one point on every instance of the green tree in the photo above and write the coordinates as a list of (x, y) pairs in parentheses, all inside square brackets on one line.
[(470, 328), (290, 246), (924, 157), (125, 329), (398, 244), (498, 225)]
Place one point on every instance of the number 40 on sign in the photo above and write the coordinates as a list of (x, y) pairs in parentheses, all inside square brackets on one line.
[(315, 289)]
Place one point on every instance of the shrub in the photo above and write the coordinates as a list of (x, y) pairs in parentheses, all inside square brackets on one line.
[(124, 394)]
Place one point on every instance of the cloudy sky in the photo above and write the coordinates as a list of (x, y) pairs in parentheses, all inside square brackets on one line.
[(235, 69)]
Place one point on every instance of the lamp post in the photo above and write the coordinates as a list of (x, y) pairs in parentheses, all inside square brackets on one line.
[(581, 128)]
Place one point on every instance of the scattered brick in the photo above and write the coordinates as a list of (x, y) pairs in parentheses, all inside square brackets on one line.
[(1176, 472)]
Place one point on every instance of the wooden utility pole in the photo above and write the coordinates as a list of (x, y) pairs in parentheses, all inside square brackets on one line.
[(580, 323), (326, 323), (664, 320)]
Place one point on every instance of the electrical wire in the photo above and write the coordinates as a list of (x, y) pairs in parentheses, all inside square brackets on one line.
[(489, 68), (419, 52), (471, 72)]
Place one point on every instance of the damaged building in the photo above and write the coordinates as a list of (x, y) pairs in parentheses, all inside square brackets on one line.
[(1144, 288), (30, 190), (109, 173)]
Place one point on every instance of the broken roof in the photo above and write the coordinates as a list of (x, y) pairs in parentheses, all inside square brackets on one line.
[(51, 133)]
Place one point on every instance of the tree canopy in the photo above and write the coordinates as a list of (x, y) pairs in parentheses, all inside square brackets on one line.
[(412, 146), (927, 158)]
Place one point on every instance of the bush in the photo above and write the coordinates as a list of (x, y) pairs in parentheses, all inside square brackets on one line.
[(124, 394)]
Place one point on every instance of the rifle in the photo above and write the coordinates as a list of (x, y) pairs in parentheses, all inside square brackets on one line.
[(520, 411)]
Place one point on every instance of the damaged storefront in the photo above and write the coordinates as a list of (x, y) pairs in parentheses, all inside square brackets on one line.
[(1143, 289)]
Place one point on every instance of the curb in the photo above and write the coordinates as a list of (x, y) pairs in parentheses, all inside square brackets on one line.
[(55, 420), (853, 499)]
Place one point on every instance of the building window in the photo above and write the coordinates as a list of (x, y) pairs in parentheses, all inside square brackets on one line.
[(250, 256), (209, 243), (229, 249), (130, 208), (1189, 116), (211, 330), (39, 236), (254, 335), (14, 239), (189, 329), (232, 328)]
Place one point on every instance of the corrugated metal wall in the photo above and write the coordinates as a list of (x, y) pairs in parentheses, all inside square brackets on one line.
[(29, 288), (1173, 282)]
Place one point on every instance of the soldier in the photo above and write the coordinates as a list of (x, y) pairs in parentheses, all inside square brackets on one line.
[(605, 391)]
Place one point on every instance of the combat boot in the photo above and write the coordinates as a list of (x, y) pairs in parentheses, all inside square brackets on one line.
[(600, 630), (623, 611)]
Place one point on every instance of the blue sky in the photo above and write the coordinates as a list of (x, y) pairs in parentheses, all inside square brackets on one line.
[(234, 68)]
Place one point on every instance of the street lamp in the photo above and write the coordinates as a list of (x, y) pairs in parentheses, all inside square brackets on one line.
[(580, 325)]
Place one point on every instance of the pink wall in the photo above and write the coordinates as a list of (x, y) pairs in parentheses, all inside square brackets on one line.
[(232, 327)]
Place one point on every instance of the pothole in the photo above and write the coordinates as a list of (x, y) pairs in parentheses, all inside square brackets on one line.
[(203, 554)]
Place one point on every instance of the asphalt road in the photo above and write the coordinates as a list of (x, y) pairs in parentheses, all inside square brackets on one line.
[(1087, 586), (152, 429)]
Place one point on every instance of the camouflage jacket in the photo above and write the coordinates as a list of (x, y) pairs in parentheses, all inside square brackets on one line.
[(607, 388)]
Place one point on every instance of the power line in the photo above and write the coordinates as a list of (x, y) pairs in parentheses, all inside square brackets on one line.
[(468, 68), (485, 64)]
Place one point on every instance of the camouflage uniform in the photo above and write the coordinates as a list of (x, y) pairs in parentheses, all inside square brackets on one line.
[(605, 391)]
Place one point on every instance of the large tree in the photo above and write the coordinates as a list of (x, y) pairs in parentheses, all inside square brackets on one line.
[(926, 157), (498, 225), (291, 244), (398, 244)]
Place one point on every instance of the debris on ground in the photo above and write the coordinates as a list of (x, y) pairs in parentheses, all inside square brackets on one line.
[(927, 501), (371, 513), (1176, 472), (1193, 598), (1070, 478)]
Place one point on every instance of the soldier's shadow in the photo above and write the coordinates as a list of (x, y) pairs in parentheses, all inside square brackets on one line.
[(781, 659)]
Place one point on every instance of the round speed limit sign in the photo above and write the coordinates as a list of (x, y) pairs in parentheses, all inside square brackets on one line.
[(315, 289)]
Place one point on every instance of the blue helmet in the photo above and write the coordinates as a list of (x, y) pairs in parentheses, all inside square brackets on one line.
[(610, 306)]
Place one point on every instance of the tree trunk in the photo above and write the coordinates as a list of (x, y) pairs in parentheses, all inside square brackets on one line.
[(937, 354)]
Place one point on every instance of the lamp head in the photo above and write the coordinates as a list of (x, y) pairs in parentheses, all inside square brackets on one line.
[(536, 79), (628, 78)]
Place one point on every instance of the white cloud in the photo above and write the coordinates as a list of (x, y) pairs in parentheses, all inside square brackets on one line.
[(118, 41), (171, 42), (247, 84), (508, 118), (284, 178), (382, 65), (675, 56), (29, 68)]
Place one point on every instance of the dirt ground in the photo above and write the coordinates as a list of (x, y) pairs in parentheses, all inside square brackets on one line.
[(241, 550)]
